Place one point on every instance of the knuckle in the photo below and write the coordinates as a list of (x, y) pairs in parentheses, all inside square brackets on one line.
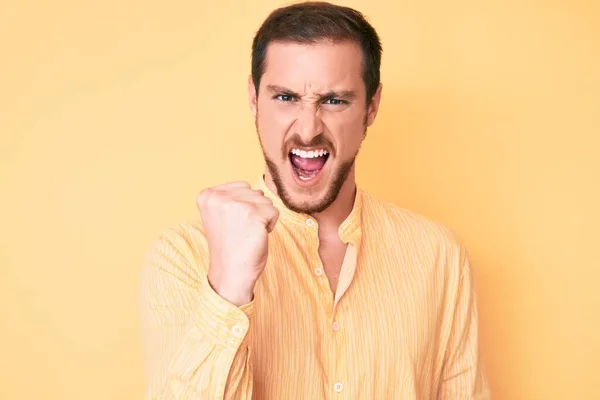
[(208, 198), (206, 192), (201, 197), (275, 212)]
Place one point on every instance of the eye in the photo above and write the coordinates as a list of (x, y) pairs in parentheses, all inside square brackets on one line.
[(336, 102), (286, 98)]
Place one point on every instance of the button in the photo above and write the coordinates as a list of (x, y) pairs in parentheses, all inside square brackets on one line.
[(310, 222), (318, 271), (335, 326), (237, 331), (338, 387)]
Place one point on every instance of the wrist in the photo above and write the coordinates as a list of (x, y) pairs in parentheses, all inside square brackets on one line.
[(235, 292)]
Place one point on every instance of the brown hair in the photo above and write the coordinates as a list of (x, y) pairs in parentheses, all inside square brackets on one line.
[(312, 22)]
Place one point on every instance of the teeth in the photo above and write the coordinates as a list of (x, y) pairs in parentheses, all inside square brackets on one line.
[(309, 154)]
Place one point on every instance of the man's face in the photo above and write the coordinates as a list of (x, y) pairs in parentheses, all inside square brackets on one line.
[(311, 115)]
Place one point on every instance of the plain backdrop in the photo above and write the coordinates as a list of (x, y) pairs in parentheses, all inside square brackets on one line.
[(114, 114)]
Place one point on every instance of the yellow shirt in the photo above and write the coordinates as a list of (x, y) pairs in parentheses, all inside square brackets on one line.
[(402, 324)]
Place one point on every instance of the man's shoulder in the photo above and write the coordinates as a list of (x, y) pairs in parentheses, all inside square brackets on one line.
[(178, 252), (186, 238), (400, 222)]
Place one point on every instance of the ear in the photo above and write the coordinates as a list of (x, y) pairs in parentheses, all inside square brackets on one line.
[(374, 106), (252, 96)]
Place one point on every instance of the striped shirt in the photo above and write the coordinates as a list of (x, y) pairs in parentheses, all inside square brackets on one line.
[(401, 325)]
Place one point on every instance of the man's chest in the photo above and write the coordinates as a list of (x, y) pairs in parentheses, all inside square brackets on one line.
[(378, 328)]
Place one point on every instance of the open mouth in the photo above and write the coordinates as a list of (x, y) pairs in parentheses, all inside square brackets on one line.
[(308, 164)]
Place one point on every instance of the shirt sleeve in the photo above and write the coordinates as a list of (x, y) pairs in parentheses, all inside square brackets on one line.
[(463, 376), (195, 342)]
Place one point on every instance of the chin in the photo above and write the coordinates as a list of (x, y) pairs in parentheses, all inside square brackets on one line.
[(309, 192)]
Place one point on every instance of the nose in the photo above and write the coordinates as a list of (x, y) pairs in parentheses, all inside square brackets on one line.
[(310, 124)]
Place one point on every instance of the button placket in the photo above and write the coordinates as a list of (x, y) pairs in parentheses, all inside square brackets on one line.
[(338, 344)]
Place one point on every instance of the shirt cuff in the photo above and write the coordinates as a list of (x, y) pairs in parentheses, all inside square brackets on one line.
[(224, 322)]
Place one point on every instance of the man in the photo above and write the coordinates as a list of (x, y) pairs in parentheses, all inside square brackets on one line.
[(303, 286)]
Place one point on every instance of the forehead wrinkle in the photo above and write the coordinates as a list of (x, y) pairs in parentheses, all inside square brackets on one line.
[(307, 95)]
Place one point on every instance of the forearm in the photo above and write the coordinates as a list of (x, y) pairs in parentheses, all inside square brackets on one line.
[(195, 342), (201, 354)]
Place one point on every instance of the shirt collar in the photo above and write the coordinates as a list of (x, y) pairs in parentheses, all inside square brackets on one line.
[(349, 231)]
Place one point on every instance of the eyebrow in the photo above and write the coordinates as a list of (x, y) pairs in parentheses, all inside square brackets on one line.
[(341, 94)]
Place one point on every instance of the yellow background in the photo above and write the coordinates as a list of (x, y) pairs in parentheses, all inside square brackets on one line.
[(114, 114)]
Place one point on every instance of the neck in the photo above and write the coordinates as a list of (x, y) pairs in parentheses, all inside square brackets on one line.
[(331, 218)]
